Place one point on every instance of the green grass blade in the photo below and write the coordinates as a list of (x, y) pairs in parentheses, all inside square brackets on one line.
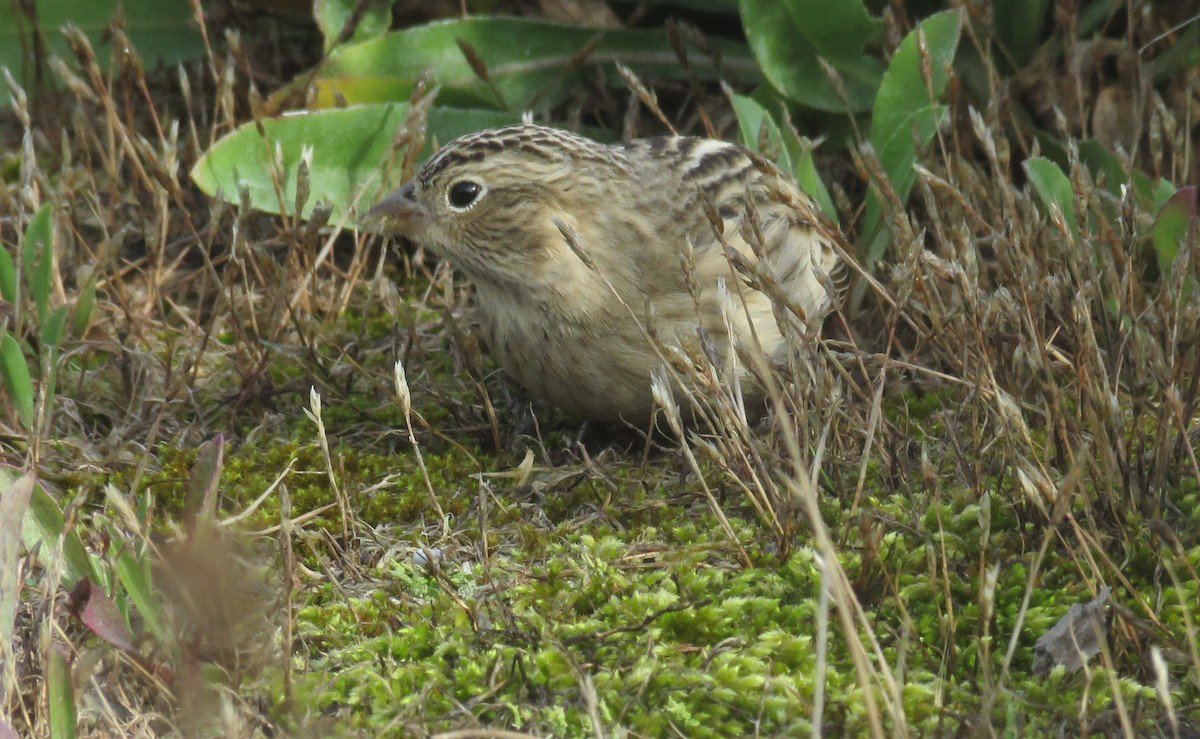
[(81, 316), (52, 328), (8, 277), (14, 500), (38, 258), (60, 693), (134, 575)]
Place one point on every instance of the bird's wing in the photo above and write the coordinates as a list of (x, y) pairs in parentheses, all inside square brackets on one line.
[(749, 217)]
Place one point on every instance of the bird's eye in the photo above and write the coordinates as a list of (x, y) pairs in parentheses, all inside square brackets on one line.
[(463, 194)]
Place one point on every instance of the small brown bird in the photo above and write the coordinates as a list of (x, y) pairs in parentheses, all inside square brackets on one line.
[(573, 246)]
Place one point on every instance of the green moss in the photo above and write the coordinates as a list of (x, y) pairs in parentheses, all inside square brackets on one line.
[(720, 665), (620, 586)]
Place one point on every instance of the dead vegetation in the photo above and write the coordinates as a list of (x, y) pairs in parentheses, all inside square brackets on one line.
[(1003, 424)]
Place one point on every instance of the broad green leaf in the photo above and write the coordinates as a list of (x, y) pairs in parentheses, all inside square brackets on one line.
[(531, 64), (1054, 188), (331, 17), (162, 31), (38, 258), (1175, 224), (907, 114), (1151, 193), (789, 37), (1101, 161), (348, 147), (44, 527), (790, 154), (17, 379), (906, 100), (1161, 193)]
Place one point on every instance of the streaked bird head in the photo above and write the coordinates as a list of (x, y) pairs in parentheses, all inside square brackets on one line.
[(489, 201)]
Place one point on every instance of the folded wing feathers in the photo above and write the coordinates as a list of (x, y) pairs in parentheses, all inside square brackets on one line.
[(764, 218)]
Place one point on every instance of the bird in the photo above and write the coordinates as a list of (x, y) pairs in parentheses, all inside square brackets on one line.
[(595, 264)]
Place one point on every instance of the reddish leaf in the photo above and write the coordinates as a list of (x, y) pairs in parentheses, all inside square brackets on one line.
[(100, 614)]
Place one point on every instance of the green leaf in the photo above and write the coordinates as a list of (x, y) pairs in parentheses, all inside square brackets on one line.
[(906, 114), (162, 31), (81, 317), (1161, 193), (49, 367), (134, 575), (1054, 188), (531, 64), (753, 122), (1100, 161), (789, 37), (1151, 193), (1180, 57), (331, 17), (38, 258), (42, 530), (349, 147), (8, 277), (1019, 25), (791, 154), (52, 328), (1094, 14), (14, 500), (1175, 224), (804, 169), (17, 379), (60, 693), (708, 6)]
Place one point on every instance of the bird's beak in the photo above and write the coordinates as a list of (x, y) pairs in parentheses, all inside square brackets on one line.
[(398, 214)]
